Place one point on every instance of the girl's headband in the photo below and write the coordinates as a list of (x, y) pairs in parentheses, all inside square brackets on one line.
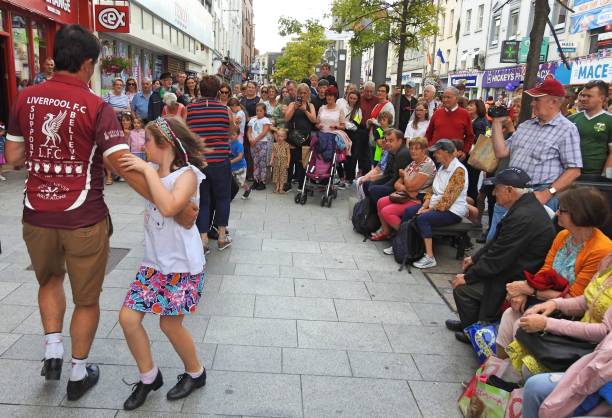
[(169, 135)]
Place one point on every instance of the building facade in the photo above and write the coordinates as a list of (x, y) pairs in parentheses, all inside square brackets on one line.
[(248, 39)]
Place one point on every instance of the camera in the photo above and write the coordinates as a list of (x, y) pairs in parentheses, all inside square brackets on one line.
[(299, 100), (497, 111)]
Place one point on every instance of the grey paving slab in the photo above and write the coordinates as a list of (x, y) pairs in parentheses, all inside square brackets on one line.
[(342, 336), (433, 313), (110, 392), (443, 368), (403, 292), (238, 393), (275, 258), (143, 414), (25, 411), (196, 324), (347, 274), (351, 397), (331, 289), (378, 262), (252, 331), (305, 272), (21, 383), (424, 340), (7, 340), (393, 277), (383, 365), (13, 315), (7, 288), (437, 399), (254, 285), (315, 309), (248, 358), (356, 250), (376, 311), (212, 283), (265, 270), (325, 236), (226, 304), (324, 260), (316, 362), (33, 325), (291, 246), (17, 274), (221, 268)]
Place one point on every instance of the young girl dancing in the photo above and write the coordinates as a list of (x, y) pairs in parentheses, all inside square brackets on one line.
[(170, 279), (281, 154)]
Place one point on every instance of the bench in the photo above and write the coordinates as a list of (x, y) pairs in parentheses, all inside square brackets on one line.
[(459, 232)]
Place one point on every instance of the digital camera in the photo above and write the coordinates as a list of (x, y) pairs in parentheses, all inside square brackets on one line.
[(497, 111)]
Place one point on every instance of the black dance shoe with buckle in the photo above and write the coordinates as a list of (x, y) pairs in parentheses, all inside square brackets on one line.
[(52, 368), (140, 391), (185, 385), (78, 388)]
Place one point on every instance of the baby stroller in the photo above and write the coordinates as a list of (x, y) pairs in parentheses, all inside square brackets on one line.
[(321, 169)]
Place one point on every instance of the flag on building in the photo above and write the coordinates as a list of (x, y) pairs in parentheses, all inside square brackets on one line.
[(429, 60), (441, 55)]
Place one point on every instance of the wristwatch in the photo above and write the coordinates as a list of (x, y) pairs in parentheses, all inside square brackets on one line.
[(552, 191)]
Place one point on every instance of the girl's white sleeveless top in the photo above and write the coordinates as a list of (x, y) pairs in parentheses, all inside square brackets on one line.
[(170, 248)]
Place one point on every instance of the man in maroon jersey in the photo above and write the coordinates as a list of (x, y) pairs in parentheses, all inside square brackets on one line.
[(62, 132)]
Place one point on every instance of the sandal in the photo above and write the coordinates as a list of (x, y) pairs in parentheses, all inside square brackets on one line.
[(380, 236), (109, 182)]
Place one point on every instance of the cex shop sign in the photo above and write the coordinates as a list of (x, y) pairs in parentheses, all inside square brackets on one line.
[(111, 18)]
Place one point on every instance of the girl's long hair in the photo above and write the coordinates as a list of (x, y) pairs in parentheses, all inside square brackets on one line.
[(196, 89), (415, 123), (192, 143), (357, 104)]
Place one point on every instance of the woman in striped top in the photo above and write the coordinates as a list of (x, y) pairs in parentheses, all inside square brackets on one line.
[(212, 121), (117, 98)]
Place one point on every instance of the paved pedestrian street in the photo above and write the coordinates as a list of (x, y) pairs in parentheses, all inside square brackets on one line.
[(300, 318)]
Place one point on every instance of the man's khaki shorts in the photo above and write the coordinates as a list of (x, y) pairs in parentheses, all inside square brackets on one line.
[(82, 252)]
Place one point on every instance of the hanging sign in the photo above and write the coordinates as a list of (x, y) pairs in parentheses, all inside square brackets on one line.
[(110, 18), (509, 52), (586, 70)]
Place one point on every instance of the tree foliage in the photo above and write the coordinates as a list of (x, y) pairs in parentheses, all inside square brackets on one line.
[(303, 53), (374, 21)]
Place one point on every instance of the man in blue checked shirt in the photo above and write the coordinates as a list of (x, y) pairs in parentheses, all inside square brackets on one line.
[(546, 147), (140, 102)]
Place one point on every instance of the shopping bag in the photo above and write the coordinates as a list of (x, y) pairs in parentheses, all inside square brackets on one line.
[(488, 401), (467, 395), (514, 409), (482, 338), (305, 156), (482, 156), (493, 366)]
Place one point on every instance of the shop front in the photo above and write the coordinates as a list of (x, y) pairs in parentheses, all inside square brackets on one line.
[(503, 81), (469, 79), (27, 29)]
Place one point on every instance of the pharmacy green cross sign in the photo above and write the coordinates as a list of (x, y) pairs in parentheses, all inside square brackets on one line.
[(509, 52)]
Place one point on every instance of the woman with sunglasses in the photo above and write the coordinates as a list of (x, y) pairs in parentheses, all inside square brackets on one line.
[(225, 92), (192, 91), (131, 88), (263, 93)]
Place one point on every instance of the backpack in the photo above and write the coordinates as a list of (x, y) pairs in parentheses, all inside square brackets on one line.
[(408, 245), (365, 220)]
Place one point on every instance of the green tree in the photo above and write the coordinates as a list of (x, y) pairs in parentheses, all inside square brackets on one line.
[(403, 23), (302, 54)]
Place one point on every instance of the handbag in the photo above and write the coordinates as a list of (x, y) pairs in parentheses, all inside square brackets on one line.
[(555, 352), (297, 138), (482, 156), (399, 197)]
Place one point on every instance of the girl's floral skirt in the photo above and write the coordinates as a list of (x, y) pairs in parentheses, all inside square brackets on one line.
[(164, 294)]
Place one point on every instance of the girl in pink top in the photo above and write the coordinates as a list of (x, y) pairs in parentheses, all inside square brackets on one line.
[(137, 139)]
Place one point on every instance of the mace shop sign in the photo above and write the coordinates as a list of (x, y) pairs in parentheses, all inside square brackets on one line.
[(586, 70)]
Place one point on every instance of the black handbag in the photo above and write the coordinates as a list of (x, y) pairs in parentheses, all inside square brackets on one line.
[(555, 352), (297, 138)]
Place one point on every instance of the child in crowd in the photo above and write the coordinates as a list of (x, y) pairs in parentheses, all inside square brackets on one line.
[(384, 119), (280, 160), (239, 117), (258, 135), (170, 280), (137, 139), (2, 141), (239, 165)]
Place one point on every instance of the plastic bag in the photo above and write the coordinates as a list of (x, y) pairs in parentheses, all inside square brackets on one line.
[(482, 338)]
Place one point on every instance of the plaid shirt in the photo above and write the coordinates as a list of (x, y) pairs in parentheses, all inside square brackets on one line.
[(545, 151)]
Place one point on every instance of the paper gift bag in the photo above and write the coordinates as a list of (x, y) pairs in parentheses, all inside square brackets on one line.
[(482, 156), (514, 409)]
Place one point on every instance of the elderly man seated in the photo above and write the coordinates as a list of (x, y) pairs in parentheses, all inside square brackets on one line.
[(520, 244)]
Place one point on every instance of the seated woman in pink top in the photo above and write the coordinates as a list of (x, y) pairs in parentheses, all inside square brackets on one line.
[(415, 181), (173, 107)]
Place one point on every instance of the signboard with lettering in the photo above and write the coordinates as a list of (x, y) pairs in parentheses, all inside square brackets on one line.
[(524, 50), (509, 52), (586, 70), (590, 14), (500, 77), (567, 46), (62, 11), (467, 80), (111, 18)]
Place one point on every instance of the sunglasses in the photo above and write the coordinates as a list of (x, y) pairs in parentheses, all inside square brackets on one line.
[(223, 92), (130, 84), (563, 210), (264, 91)]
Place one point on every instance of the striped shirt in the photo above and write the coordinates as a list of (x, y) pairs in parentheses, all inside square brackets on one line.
[(121, 101), (210, 120)]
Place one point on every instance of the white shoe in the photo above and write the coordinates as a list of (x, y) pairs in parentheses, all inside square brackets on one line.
[(388, 251), (426, 262), (2, 178)]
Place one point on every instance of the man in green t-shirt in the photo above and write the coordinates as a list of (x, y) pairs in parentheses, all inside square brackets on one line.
[(595, 127)]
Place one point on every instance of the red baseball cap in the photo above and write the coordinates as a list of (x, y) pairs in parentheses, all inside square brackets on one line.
[(549, 87)]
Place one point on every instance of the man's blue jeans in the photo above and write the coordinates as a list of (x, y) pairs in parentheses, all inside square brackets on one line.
[(499, 212), (537, 388)]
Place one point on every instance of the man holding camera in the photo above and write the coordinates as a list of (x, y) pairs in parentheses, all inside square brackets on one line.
[(546, 147)]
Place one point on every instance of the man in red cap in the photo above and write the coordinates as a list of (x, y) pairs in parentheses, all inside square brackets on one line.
[(546, 147)]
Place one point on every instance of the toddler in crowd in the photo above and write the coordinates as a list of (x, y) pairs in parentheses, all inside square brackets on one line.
[(2, 141), (137, 139), (384, 119), (280, 160), (239, 117), (259, 134), (170, 280), (239, 165)]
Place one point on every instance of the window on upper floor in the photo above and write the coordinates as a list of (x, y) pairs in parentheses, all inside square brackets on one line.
[(559, 15), (496, 26), (451, 22), (480, 20), (442, 25), (513, 24), (468, 21)]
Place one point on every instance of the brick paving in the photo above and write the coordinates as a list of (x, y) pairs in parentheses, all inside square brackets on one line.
[(300, 318)]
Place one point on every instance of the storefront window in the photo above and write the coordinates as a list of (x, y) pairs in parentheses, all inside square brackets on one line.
[(20, 46), (39, 40)]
